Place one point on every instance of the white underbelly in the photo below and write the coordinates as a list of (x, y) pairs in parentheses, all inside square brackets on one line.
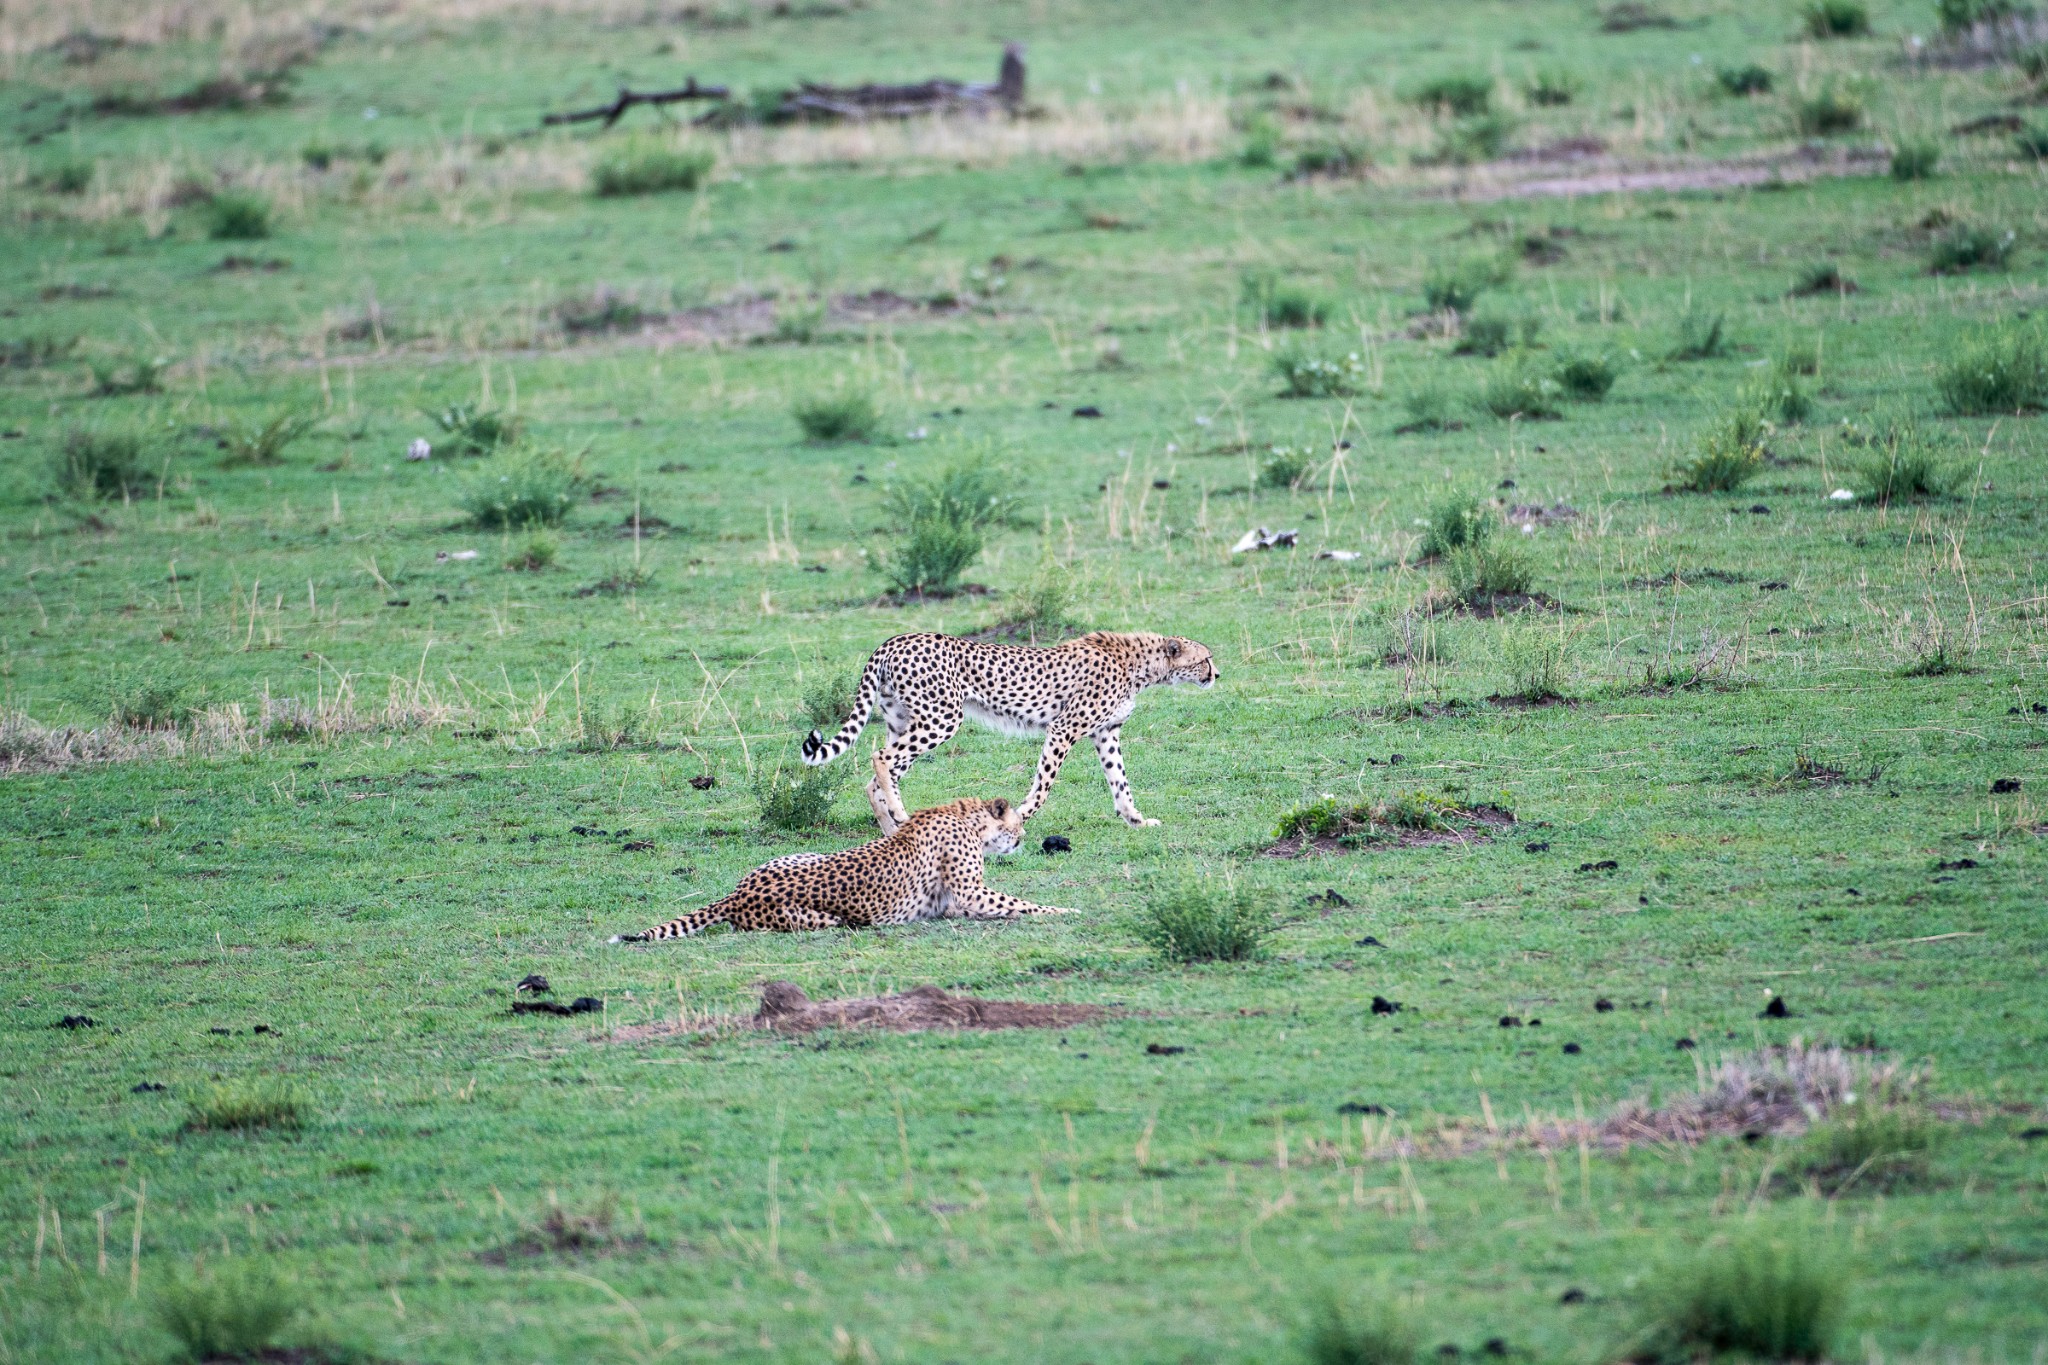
[(1008, 722)]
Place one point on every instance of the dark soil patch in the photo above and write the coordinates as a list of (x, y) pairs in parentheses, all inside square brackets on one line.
[(1487, 605), (230, 265), (1016, 633), (1563, 149), (1535, 514), (582, 1004), (786, 1009), (1421, 710), (924, 595), (1477, 825), (1680, 577), (1513, 703), (643, 525), (562, 1233)]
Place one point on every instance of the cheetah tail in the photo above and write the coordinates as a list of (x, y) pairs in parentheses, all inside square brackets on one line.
[(819, 750), (683, 926)]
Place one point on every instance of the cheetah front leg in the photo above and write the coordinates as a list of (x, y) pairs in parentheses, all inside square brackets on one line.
[(923, 732), (1112, 755), (1059, 742), (985, 902)]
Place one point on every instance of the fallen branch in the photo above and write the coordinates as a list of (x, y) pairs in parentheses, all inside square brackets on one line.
[(611, 113), (811, 102)]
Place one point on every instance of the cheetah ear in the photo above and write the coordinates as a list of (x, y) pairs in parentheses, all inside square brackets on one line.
[(999, 808), (1172, 647)]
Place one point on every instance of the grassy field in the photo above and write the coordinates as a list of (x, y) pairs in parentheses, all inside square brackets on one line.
[(315, 750)]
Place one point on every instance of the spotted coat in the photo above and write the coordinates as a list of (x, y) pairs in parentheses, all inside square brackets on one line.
[(1083, 689), (928, 867)]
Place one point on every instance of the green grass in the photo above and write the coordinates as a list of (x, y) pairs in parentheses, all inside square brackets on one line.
[(643, 167), (836, 418), (232, 1312), (1766, 1296), (522, 491), (364, 789), (1205, 919)]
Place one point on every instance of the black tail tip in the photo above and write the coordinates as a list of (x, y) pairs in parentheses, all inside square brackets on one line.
[(812, 743)]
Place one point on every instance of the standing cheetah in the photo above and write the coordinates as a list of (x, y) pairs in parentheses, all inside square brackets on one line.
[(928, 867), (1084, 688)]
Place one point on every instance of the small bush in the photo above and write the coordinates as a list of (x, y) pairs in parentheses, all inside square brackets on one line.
[(1330, 157), (606, 310), (36, 351), (942, 519), (1970, 247), (520, 492), (1744, 81), (1519, 389), (1701, 336), (1822, 277), (2002, 372), (143, 697), (1551, 88), (2031, 142), (1483, 334), (1285, 466), (1915, 158), (1044, 606), (799, 801), (1482, 137), (1831, 110), (238, 218), (99, 464), (1454, 523), (1477, 573), (1283, 305), (930, 557), (1586, 378), (1430, 408), (477, 431), (1779, 397), (1771, 1298), (799, 324), (649, 167), (2033, 60), (1730, 454), (126, 379), (1463, 95), (1378, 1334), (837, 418), (1960, 16), (1455, 288), (1836, 19), (1304, 374), (1900, 470), (1536, 663), (972, 492), (627, 725), (265, 445), (1261, 150), (828, 701), (1800, 357), (245, 1107), (1201, 919), (1865, 1146), (66, 177), (539, 551), (230, 1312)]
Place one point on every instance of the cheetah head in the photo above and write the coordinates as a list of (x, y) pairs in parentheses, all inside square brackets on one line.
[(1188, 662), (999, 826)]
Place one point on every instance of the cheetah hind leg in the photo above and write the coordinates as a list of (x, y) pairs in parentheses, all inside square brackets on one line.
[(879, 792)]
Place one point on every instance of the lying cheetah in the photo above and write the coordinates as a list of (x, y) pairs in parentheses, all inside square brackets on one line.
[(928, 867), (1084, 688)]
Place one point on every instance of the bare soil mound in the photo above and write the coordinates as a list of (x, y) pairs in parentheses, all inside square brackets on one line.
[(786, 1009)]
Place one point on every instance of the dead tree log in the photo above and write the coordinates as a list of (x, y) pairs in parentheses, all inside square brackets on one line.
[(812, 102), (611, 113)]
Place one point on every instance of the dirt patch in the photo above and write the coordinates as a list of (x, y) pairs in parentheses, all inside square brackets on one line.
[(1016, 633), (1487, 605), (1362, 828), (1507, 702), (1564, 149), (1534, 514), (561, 1232), (754, 317), (786, 1009), (919, 598), (1678, 578)]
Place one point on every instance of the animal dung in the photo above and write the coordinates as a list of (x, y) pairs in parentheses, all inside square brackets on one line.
[(533, 983), (76, 1021), (1572, 1049), (1163, 1050), (1537, 846), (1055, 843), (1382, 1005), (1330, 899), (1572, 1296), (1510, 1021), (2005, 786), (1686, 1045), (1362, 1107), (1776, 1009), (582, 1004), (1088, 410), (703, 782), (1603, 865), (145, 1088), (1367, 942), (1603, 1006)]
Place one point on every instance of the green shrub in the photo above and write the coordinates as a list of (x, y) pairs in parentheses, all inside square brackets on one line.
[(228, 1312), (1330, 157), (1519, 389), (1551, 87), (125, 379), (972, 492), (1900, 470), (66, 177), (478, 431), (2004, 371), (1285, 466), (1464, 94), (1915, 158), (1772, 1298), (1378, 1334), (1836, 19), (1454, 288), (245, 1107), (834, 418), (942, 519), (1044, 606), (1304, 374), (929, 558), (99, 464), (1536, 662), (1455, 522), (1430, 408), (605, 310), (1800, 357), (144, 696), (1865, 1146), (1480, 572), (238, 217), (1729, 455), (829, 700), (1479, 138), (650, 167), (522, 491), (1778, 395), (1971, 247), (1261, 148), (1486, 334), (2031, 142), (1745, 80), (1830, 110), (1202, 919), (624, 725), (2033, 60), (1586, 378), (1282, 305), (801, 801), (539, 551), (798, 324), (1701, 336), (265, 445), (1822, 277), (1960, 16)]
